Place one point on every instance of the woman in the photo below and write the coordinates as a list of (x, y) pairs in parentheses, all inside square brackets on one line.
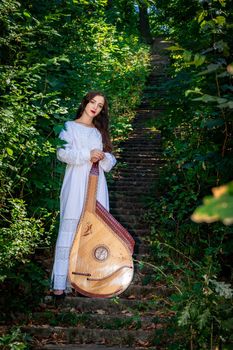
[(87, 141)]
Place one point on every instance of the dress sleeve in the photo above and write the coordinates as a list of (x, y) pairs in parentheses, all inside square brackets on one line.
[(69, 153), (108, 162)]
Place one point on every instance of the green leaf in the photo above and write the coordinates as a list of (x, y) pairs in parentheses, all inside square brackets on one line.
[(223, 289), (211, 68), (208, 98), (27, 14), (222, 2), (203, 318), (184, 316), (175, 48), (187, 55), (226, 105), (58, 128), (212, 123), (220, 20), (9, 151), (201, 16), (199, 59), (219, 207)]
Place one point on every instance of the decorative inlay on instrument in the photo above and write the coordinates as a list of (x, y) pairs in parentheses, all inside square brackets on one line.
[(101, 263)]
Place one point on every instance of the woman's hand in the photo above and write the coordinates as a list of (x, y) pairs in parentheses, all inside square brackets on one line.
[(96, 155)]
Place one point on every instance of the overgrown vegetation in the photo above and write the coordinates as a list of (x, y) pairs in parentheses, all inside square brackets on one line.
[(197, 141)]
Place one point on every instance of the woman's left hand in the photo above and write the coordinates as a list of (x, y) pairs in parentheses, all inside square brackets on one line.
[(94, 159), (96, 155)]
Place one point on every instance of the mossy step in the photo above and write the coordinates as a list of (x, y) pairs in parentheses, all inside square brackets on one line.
[(71, 318), (114, 305), (82, 335), (84, 346), (91, 347), (149, 291)]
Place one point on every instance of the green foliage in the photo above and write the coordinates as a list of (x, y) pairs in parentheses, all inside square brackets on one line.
[(218, 207), (20, 238), (197, 141), (14, 340)]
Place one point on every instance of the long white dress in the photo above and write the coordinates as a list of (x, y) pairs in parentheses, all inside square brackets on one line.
[(80, 140)]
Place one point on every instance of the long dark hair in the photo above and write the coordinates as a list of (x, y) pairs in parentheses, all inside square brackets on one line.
[(101, 121)]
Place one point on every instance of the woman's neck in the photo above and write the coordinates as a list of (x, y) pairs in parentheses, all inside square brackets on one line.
[(85, 121)]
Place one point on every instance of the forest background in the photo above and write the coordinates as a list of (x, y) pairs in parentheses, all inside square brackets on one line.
[(52, 53)]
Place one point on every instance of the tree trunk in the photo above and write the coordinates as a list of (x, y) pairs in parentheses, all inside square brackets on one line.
[(144, 25)]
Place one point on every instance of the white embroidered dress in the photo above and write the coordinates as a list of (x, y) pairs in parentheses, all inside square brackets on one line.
[(80, 140)]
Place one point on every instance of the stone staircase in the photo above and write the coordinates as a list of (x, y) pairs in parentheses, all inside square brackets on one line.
[(137, 319)]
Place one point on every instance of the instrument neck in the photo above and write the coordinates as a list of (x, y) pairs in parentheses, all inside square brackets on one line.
[(90, 204)]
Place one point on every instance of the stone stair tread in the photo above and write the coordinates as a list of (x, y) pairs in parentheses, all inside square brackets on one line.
[(99, 316), (89, 304), (115, 337), (89, 346), (81, 347)]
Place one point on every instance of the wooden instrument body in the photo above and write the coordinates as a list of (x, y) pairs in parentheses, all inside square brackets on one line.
[(101, 263)]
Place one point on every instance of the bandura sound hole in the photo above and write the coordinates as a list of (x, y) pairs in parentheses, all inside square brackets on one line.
[(101, 253)]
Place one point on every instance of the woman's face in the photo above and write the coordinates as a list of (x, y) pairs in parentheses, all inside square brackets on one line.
[(94, 106)]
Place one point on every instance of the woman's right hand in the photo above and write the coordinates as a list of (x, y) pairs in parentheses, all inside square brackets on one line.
[(96, 155)]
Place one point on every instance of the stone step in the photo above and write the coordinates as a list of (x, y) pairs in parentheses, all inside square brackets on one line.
[(127, 157), (121, 182), (143, 233), (145, 131), (135, 214), (125, 201), (129, 188), (151, 160), (132, 180), (144, 145), (140, 170), (125, 206), (139, 194), (69, 317), (136, 176), (80, 347), (132, 167), (137, 185), (121, 203), (101, 336), (156, 151), (116, 305), (132, 225), (89, 346)]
